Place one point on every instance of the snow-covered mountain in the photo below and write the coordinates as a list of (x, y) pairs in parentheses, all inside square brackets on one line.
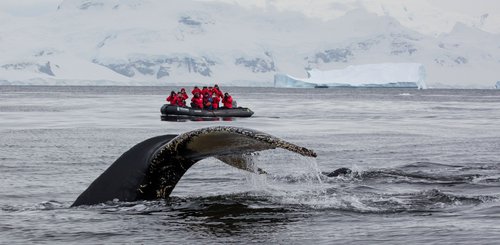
[(158, 42)]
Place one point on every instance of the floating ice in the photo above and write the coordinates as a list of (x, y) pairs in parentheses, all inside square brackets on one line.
[(371, 75)]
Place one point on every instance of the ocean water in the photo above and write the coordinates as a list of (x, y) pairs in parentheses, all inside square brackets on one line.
[(426, 168)]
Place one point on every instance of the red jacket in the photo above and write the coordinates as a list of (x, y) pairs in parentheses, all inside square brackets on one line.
[(198, 102), (228, 102), (218, 93), (215, 102), (180, 101), (209, 91), (196, 90), (172, 99), (185, 95)]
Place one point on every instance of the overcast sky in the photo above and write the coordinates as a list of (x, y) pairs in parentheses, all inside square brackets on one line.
[(28, 7), (317, 8)]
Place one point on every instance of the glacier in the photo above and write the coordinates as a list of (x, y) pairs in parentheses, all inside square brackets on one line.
[(407, 75)]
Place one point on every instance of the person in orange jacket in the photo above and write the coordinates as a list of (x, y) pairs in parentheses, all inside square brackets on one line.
[(172, 98), (227, 101)]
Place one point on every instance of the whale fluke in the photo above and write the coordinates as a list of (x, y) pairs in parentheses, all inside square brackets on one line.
[(151, 169)]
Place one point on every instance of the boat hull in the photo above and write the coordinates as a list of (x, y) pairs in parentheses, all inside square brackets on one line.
[(169, 111)]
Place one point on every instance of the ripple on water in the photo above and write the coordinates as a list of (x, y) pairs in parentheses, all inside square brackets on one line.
[(425, 168)]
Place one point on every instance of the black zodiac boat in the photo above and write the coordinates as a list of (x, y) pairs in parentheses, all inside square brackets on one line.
[(169, 112)]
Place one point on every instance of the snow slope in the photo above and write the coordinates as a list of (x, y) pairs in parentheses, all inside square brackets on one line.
[(154, 42), (432, 17)]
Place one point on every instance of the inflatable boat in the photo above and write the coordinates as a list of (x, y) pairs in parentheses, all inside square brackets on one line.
[(172, 111)]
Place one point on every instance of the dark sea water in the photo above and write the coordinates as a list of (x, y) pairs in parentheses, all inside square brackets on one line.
[(426, 168)]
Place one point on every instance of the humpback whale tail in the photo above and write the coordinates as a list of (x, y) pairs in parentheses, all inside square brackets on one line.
[(152, 168)]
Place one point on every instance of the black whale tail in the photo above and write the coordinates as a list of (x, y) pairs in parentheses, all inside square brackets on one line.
[(152, 168)]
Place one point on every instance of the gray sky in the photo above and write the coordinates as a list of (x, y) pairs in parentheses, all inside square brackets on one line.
[(34, 7), (440, 15), (28, 7)]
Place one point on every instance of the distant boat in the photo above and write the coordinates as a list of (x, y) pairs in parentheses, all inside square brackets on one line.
[(321, 86)]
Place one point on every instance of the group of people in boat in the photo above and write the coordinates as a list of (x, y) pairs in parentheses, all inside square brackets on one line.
[(208, 98)]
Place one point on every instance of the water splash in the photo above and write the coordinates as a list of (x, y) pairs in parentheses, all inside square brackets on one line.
[(293, 180), (299, 182)]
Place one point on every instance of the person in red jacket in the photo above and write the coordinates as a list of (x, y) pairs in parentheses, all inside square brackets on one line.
[(215, 101), (184, 94), (172, 98), (207, 102), (180, 100), (218, 92), (210, 90), (197, 101), (227, 101), (204, 91), (196, 90)]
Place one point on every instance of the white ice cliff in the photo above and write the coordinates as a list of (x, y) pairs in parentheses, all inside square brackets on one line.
[(370, 75)]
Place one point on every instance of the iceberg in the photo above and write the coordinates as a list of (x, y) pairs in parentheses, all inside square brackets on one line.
[(398, 75), (497, 86)]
